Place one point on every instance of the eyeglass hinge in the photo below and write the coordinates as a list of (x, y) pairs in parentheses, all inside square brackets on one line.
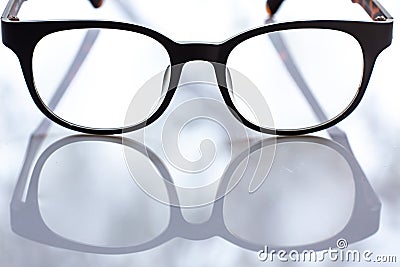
[(13, 18), (379, 18)]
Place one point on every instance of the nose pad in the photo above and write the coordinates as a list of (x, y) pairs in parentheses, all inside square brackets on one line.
[(165, 85), (166, 80), (229, 79), (229, 83)]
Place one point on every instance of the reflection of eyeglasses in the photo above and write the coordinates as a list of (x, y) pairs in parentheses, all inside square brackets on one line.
[(102, 90), (147, 223)]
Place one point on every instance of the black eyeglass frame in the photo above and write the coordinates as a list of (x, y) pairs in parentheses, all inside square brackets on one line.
[(22, 37)]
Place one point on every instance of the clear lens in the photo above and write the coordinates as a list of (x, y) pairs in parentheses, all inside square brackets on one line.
[(117, 65), (305, 199), (87, 201), (330, 64)]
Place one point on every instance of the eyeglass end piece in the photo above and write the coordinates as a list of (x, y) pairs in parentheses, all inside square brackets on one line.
[(13, 18), (380, 18), (374, 9)]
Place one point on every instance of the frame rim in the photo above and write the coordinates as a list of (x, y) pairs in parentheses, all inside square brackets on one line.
[(29, 34)]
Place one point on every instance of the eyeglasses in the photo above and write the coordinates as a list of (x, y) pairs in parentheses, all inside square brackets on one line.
[(121, 57), (26, 208)]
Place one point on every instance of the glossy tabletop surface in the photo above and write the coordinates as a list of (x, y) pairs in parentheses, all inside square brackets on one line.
[(69, 199)]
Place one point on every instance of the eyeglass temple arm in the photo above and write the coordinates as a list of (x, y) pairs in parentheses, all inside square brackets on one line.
[(374, 9), (39, 134), (13, 7), (335, 133), (279, 44), (96, 3)]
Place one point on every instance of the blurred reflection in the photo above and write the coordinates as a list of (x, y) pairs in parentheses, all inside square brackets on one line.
[(315, 194)]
